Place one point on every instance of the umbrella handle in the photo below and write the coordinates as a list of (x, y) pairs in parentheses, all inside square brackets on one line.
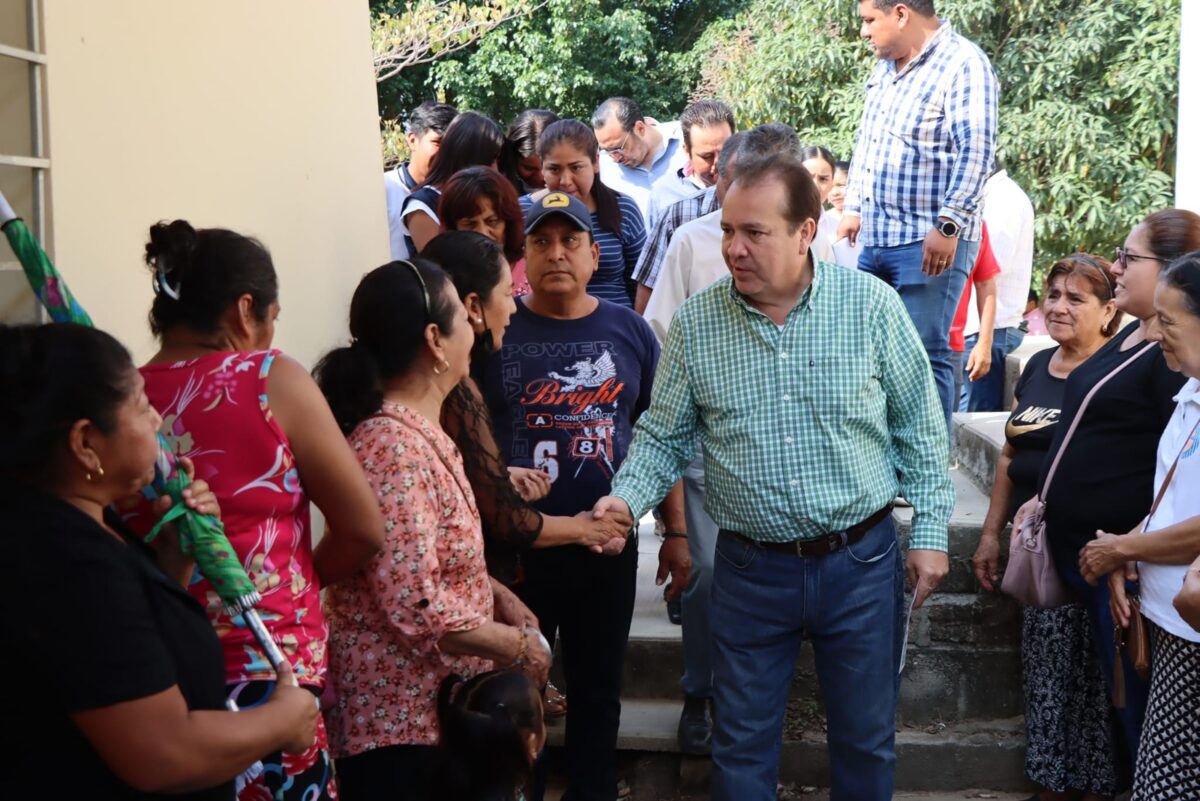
[(255, 624)]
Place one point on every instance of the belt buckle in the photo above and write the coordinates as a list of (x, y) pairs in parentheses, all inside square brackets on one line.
[(843, 538)]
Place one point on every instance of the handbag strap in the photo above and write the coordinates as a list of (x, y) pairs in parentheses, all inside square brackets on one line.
[(1170, 475), (1083, 408)]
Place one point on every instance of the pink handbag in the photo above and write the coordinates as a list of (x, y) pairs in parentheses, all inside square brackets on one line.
[(1031, 576)]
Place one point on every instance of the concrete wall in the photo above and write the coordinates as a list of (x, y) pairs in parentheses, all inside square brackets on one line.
[(260, 117), (1187, 164)]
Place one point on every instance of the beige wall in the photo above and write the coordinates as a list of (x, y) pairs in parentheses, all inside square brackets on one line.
[(257, 116)]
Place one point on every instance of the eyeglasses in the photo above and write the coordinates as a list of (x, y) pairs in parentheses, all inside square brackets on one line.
[(619, 149), (1122, 257), (421, 281)]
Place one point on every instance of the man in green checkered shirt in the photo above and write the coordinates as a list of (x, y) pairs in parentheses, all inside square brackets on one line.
[(815, 404)]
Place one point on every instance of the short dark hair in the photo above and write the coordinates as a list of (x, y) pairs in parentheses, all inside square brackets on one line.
[(842, 166), (923, 7), (706, 114), (430, 116), (627, 111), (819, 152), (52, 376), (472, 139), (387, 330), (521, 141), (460, 199), (730, 149), (1094, 271), (199, 274), (1184, 275), (803, 202), (771, 138)]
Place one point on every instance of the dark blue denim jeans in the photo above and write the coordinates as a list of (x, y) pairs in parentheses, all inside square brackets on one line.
[(849, 604), (931, 302), (987, 394)]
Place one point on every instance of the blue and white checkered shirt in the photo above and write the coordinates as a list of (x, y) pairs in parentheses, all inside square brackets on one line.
[(676, 215), (926, 143)]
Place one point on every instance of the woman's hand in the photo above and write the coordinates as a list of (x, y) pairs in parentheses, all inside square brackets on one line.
[(1118, 602), (297, 708), (986, 561), (1187, 602), (168, 551), (532, 485), (510, 609), (537, 658), (1101, 557), (595, 534)]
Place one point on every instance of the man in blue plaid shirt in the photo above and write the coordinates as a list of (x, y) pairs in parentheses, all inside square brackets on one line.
[(924, 150)]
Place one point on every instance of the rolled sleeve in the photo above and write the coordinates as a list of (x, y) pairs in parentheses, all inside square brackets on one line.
[(917, 425), (664, 437), (971, 109)]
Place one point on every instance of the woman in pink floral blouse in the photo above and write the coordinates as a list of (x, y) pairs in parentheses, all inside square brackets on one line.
[(423, 607)]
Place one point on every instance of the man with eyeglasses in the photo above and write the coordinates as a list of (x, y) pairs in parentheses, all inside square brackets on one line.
[(636, 151), (564, 390)]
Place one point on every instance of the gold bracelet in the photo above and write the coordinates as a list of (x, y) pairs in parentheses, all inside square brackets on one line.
[(522, 651)]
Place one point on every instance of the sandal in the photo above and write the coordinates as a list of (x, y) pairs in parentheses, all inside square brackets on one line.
[(554, 703)]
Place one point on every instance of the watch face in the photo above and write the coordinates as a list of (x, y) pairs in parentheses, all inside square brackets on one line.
[(948, 228)]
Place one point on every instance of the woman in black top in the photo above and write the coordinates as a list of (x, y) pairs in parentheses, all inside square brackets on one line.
[(1104, 480), (116, 679), (1069, 747)]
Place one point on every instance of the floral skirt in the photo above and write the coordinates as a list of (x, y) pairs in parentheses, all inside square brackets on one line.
[(282, 776), (1168, 763), (1069, 720)]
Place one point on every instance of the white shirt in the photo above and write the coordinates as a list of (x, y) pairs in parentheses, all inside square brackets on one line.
[(637, 181), (1008, 213), (1161, 583), (840, 250), (693, 262), (396, 190), (671, 188)]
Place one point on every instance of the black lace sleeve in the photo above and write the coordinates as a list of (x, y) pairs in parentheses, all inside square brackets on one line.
[(509, 523)]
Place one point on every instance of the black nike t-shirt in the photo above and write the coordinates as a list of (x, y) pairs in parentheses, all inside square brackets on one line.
[(1032, 426)]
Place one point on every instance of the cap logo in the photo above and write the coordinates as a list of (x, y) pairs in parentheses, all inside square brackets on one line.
[(556, 200)]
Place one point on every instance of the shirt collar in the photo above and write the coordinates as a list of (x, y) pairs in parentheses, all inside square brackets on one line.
[(1190, 393), (708, 201), (945, 31), (807, 298)]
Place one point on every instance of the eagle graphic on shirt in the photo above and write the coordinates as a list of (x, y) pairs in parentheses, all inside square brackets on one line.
[(587, 373)]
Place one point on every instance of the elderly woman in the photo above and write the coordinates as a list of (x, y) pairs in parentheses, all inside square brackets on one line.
[(1105, 477), (423, 608), (1068, 717), (1163, 545), (262, 436), (128, 698)]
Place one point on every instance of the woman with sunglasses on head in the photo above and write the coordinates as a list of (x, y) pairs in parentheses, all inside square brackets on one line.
[(571, 164), (1105, 476), (423, 608), (1162, 552), (259, 432), (1068, 716)]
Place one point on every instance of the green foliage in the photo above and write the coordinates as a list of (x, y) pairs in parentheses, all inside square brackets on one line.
[(1087, 107)]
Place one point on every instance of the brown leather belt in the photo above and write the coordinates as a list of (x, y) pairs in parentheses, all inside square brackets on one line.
[(819, 546)]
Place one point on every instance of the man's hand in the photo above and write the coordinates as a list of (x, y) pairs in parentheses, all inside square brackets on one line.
[(979, 362), (509, 609), (926, 569), (674, 559), (939, 253), (612, 505), (848, 228), (1118, 602), (1101, 557)]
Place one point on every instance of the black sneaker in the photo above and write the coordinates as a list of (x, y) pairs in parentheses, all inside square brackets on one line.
[(695, 727)]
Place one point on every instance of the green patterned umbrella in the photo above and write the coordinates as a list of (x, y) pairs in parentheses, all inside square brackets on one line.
[(201, 536)]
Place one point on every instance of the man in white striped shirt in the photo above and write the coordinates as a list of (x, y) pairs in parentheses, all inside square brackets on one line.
[(924, 149)]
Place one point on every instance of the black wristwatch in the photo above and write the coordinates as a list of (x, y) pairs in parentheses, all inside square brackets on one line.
[(948, 228)]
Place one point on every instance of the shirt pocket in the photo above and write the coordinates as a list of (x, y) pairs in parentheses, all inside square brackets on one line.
[(842, 389)]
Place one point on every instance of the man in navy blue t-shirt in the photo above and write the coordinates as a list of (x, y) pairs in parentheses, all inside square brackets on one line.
[(564, 391)]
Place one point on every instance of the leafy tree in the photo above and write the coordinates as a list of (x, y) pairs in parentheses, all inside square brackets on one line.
[(1089, 90)]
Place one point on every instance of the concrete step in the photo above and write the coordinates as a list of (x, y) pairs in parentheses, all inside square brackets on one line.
[(969, 754), (978, 440)]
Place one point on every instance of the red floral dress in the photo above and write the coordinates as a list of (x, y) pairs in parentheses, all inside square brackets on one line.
[(430, 579)]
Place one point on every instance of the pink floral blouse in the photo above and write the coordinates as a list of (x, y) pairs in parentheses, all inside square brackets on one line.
[(428, 580)]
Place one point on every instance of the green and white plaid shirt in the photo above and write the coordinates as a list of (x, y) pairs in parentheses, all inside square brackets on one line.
[(806, 429)]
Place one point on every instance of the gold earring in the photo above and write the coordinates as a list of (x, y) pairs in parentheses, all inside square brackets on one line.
[(99, 473), (444, 364)]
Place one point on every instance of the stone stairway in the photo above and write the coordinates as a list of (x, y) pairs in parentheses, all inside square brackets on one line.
[(959, 720)]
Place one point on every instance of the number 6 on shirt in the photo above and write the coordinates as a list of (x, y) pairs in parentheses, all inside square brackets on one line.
[(545, 457)]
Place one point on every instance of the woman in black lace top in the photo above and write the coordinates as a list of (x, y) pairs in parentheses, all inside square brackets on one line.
[(482, 276)]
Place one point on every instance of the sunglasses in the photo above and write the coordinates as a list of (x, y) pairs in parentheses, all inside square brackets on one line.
[(421, 281)]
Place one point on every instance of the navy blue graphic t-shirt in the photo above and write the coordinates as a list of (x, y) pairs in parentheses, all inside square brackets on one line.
[(564, 395)]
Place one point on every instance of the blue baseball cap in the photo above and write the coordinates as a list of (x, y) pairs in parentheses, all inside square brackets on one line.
[(558, 203)]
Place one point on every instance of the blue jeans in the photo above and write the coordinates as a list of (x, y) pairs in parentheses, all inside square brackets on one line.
[(850, 605), (1137, 689), (702, 544), (987, 394), (931, 302)]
